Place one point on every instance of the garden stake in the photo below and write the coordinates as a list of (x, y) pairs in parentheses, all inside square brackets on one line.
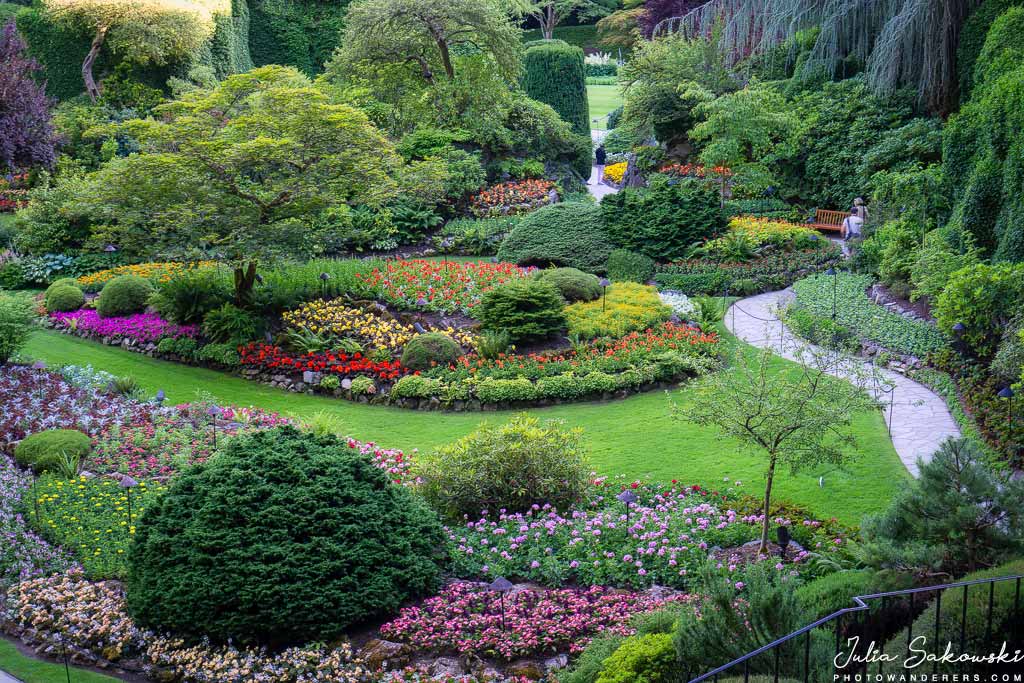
[(64, 655), (501, 585), (604, 292)]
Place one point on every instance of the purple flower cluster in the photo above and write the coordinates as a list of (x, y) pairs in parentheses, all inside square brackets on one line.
[(140, 327), (23, 554)]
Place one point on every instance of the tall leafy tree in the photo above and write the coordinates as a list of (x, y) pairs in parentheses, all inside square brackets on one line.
[(550, 13), (27, 136), (799, 417), (249, 171), (139, 31)]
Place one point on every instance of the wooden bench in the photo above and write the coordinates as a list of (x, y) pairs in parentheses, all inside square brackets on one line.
[(831, 221)]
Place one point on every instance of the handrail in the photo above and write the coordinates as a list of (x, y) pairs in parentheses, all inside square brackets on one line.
[(860, 606)]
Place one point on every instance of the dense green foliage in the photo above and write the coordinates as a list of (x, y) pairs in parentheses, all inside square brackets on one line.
[(630, 266), (509, 466), (833, 592), (553, 73), (283, 537), (972, 40), (186, 297), (568, 234), (425, 351), (643, 659), (46, 451), (17, 322), (124, 295), (984, 298), (526, 309), (299, 33), (231, 325), (64, 298), (663, 221), (573, 284)]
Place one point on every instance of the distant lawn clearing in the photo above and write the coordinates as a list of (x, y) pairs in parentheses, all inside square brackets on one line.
[(603, 100)]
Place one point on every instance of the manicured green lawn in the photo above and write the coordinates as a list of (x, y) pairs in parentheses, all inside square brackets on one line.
[(603, 99), (34, 671), (635, 437)]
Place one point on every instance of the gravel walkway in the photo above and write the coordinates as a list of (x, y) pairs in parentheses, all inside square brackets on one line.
[(918, 420)]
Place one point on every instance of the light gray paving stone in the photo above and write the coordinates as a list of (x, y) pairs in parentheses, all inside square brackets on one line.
[(920, 420)]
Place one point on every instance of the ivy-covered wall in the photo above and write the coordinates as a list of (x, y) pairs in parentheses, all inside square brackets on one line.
[(299, 33)]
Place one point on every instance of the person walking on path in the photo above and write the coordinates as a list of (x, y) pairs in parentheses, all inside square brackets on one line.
[(600, 156), (853, 223)]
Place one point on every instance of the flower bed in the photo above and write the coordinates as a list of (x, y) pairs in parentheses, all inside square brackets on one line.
[(613, 172), (91, 620), (276, 360), (695, 171), (705, 277), (338, 320), (13, 192), (624, 307), (155, 272), (467, 618), (138, 328), (436, 286), (513, 197)]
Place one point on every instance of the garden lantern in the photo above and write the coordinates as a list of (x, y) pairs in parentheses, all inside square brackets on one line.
[(960, 344), (1007, 393), (501, 585), (604, 282), (213, 412), (421, 302), (782, 533), (419, 328), (160, 397), (39, 365), (494, 259), (259, 279), (627, 497), (110, 248), (324, 277), (127, 483), (835, 288)]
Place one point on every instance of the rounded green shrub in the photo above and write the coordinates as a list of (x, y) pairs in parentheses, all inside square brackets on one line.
[(64, 298), (629, 266), (567, 234), (641, 659), (124, 295), (664, 220), (525, 309), (284, 537), (63, 282), (424, 351), (510, 466), (554, 73), (573, 284), (45, 451)]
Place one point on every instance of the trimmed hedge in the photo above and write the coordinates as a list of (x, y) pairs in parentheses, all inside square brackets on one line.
[(553, 73), (44, 451), (573, 284), (299, 33), (629, 266), (64, 298), (972, 39), (124, 295), (569, 234), (284, 537), (664, 220)]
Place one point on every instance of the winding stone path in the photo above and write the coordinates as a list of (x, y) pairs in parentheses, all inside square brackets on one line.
[(918, 419)]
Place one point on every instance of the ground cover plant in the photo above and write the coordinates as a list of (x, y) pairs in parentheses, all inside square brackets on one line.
[(863, 317), (138, 327), (623, 307)]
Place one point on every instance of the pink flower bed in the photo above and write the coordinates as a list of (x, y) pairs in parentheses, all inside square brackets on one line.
[(393, 461), (141, 327), (467, 618)]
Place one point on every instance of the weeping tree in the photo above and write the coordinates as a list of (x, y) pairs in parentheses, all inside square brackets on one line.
[(902, 43), (138, 31)]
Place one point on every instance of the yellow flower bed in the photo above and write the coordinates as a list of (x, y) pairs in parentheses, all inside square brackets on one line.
[(336, 318), (766, 230), (154, 272), (629, 306), (614, 172)]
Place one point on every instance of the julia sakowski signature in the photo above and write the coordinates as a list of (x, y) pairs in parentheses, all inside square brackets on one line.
[(919, 656)]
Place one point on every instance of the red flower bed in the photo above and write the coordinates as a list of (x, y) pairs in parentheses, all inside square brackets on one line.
[(514, 196), (270, 357), (695, 171)]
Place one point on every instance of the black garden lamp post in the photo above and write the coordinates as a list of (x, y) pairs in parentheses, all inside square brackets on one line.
[(324, 277), (1007, 393), (214, 412), (835, 288), (782, 533), (604, 282), (160, 397), (259, 279), (127, 483), (958, 333), (627, 497), (110, 249), (501, 586)]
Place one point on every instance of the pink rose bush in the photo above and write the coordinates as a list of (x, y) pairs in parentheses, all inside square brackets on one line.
[(467, 618), (140, 327)]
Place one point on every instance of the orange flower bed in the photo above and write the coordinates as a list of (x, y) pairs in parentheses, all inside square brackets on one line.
[(512, 197)]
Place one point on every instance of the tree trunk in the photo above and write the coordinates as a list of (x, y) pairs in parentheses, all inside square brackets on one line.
[(547, 22), (446, 58), (245, 280), (763, 549), (94, 51)]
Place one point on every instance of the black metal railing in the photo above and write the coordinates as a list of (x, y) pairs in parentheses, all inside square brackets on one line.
[(786, 652)]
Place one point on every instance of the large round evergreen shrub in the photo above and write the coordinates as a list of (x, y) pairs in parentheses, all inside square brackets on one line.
[(664, 220), (554, 73), (424, 351), (284, 537), (525, 309), (573, 284), (45, 451), (64, 298), (123, 295), (568, 234)]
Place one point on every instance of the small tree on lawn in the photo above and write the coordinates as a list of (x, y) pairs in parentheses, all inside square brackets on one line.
[(26, 129), (551, 13), (796, 417)]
